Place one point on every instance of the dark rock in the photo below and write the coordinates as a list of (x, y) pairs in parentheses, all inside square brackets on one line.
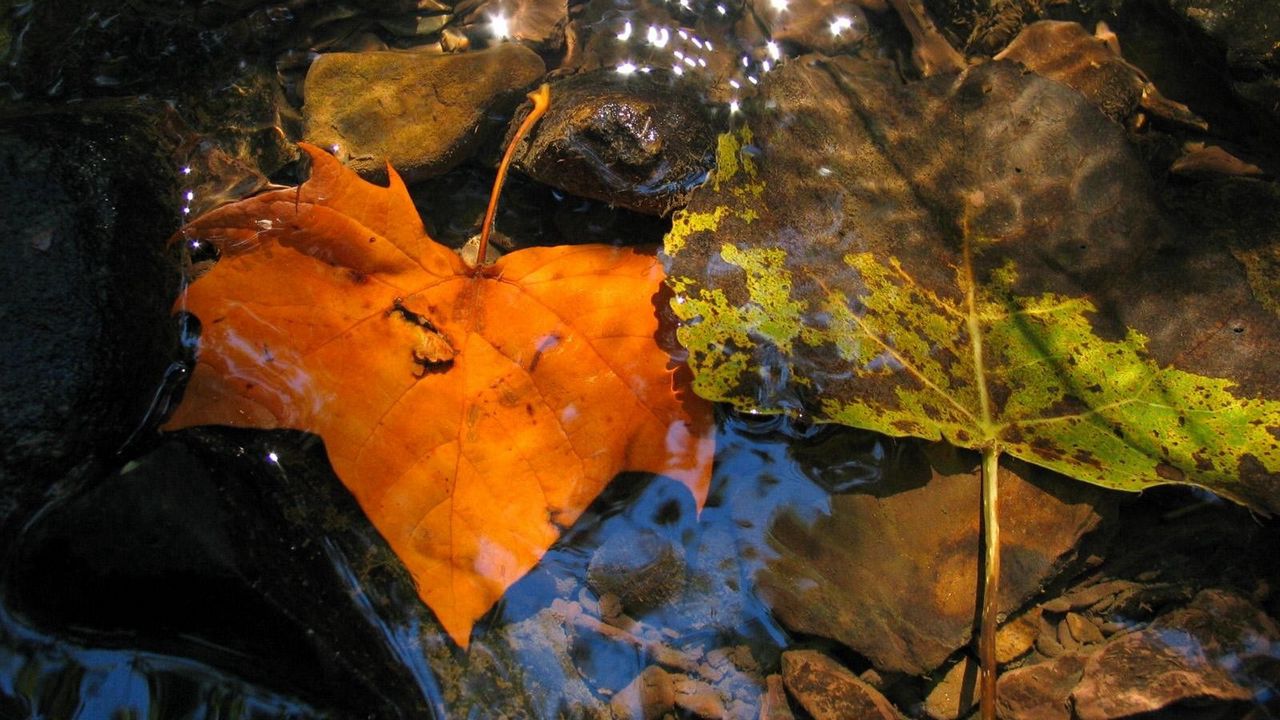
[(1039, 692), (206, 549), (1248, 31), (421, 112), (640, 142), (85, 288), (894, 575), (643, 570), (829, 691)]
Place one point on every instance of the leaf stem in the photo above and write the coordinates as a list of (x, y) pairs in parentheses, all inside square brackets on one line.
[(990, 581), (541, 100)]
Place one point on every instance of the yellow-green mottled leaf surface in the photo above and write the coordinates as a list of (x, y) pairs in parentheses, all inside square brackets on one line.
[(983, 260)]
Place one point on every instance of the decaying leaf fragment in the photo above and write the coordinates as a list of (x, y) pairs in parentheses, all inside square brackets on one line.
[(473, 413), (978, 258)]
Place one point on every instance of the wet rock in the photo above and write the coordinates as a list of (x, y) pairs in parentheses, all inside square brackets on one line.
[(642, 570), (773, 701), (956, 693), (1039, 692), (1016, 638), (649, 697), (699, 699), (639, 142), (1153, 670), (828, 691), (423, 113), (86, 203), (1066, 52), (1082, 631), (830, 576), (697, 43), (532, 667), (715, 598), (1200, 660)]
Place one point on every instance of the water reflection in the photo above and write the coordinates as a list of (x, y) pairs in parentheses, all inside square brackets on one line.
[(184, 585), (42, 675)]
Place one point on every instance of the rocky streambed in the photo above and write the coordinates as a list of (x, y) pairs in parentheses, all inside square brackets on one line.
[(832, 573)]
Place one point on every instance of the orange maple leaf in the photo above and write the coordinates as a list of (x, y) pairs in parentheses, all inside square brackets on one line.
[(472, 413)]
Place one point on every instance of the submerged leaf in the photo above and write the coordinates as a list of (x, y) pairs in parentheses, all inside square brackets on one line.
[(473, 414), (977, 258)]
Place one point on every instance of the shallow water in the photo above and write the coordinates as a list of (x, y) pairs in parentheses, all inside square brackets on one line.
[(215, 572)]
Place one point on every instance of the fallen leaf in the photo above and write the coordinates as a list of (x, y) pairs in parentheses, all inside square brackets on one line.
[(962, 269), (977, 258), (473, 414)]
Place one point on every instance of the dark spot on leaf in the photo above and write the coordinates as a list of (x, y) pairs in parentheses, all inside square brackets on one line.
[(1084, 457), (1170, 473), (528, 408), (357, 277), (373, 239), (1203, 464)]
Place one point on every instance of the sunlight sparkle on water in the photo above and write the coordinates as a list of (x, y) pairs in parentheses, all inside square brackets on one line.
[(840, 24), (772, 48), (626, 32), (273, 457), (500, 26), (626, 68), (779, 5), (657, 36)]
